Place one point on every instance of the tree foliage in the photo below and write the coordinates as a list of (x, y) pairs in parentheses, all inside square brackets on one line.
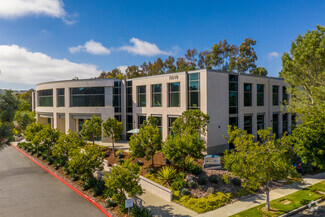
[(304, 71), (23, 117), (191, 121), (260, 71), (113, 128), (221, 56), (259, 163), (66, 144), (124, 179), (8, 106), (85, 162), (147, 142), (177, 148), (92, 129)]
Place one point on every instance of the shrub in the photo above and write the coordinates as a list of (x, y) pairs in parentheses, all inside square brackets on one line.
[(66, 171), (39, 154), (56, 166), (151, 170), (50, 160), (106, 154), (181, 175), (139, 162), (120, 155), (188, 162), (236, 181), (184, 191), (33, 151), (191, 184), (141, 212), (110, 203), (167, 174), (201, 180), (89, 183), (121, 161), (74, 177), (225, 179), (118, 152), (108, 193), (195, 169), (44, 156), (213, 179), (99, 188), (167, 161), (178, 184), (205, 204), (307, 168)]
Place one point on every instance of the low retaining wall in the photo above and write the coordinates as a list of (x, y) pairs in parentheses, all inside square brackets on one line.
[(146, 184), (156, 189)]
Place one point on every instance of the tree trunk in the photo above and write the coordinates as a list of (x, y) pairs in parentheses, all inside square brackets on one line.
[(113, 147), (267, 191), (152, 160)]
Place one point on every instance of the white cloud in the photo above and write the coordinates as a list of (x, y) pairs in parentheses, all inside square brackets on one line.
[(19, 65), (92, 47), (273, 54), (122, 69), (11, 9), (143, 48)]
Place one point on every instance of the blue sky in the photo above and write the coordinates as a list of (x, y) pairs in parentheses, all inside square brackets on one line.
[(53, 40)]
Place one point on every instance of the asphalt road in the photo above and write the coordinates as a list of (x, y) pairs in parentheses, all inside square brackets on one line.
[(27, 190)]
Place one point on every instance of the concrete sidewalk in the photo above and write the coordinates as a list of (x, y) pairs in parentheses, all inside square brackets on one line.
[(259, 199)]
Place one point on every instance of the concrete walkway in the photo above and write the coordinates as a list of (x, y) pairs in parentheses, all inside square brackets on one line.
[(259, 199), (160, 207)]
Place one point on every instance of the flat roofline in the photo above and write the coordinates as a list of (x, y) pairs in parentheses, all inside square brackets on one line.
[(154, 76), (76, 80), (243, 74)]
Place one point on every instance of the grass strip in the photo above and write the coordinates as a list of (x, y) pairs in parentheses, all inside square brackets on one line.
[(287, 203)]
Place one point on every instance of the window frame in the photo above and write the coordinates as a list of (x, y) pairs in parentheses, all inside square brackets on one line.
[(139, 95), (170, 93), (154, 93)]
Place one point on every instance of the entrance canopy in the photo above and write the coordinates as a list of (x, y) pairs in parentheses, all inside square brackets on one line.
[(134, 131)]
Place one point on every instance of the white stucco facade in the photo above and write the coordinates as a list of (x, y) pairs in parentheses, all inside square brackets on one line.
[(213, 99)]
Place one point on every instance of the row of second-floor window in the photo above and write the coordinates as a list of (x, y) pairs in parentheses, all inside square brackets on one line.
[(260, 92), (143, 117), (79, 97), (156, 95), (260, 122)]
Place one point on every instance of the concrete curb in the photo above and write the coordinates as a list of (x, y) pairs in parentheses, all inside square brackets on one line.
[(66, 183), (295, 211)]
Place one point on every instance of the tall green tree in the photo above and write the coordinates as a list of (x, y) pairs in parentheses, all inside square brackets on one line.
[(170, 65), (85, 162), (304, 71), (8, 106), (23, 117), (259, 163), (133, 72), (113, 129), (66, 144), (92, 129), (177, 148), (246, 58), (261, 71), (147, 142), (191, 121), (124, 179)]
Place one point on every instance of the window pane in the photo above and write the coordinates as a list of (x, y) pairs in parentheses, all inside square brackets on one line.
[(194, 99), (174, 100), (156, 100), (194, 76)]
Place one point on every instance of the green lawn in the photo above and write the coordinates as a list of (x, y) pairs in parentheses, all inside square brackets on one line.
[(287, 203)]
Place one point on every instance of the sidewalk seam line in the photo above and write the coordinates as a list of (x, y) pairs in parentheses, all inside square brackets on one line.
[(66, 183)]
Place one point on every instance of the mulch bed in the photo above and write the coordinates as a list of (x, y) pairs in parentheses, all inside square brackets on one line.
[(77, 184)]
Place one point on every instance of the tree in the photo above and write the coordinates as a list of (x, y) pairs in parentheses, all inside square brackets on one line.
[(261, 71), (27, 97), (190, 55), (169, 64), (113, 128), (177, 148), (86, 162), (132, 72), (23, 117), (191, 121), (8, 106), (205, 60), (304, 71), (47, 137), (66, 144), (246, 58), (158, 67), (147, 142), (259, 163), (92, 129), (124, 179)]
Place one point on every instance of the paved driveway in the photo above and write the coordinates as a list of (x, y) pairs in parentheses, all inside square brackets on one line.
[(29, 191)]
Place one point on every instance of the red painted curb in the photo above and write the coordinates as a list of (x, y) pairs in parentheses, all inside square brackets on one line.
[(70, 186)]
